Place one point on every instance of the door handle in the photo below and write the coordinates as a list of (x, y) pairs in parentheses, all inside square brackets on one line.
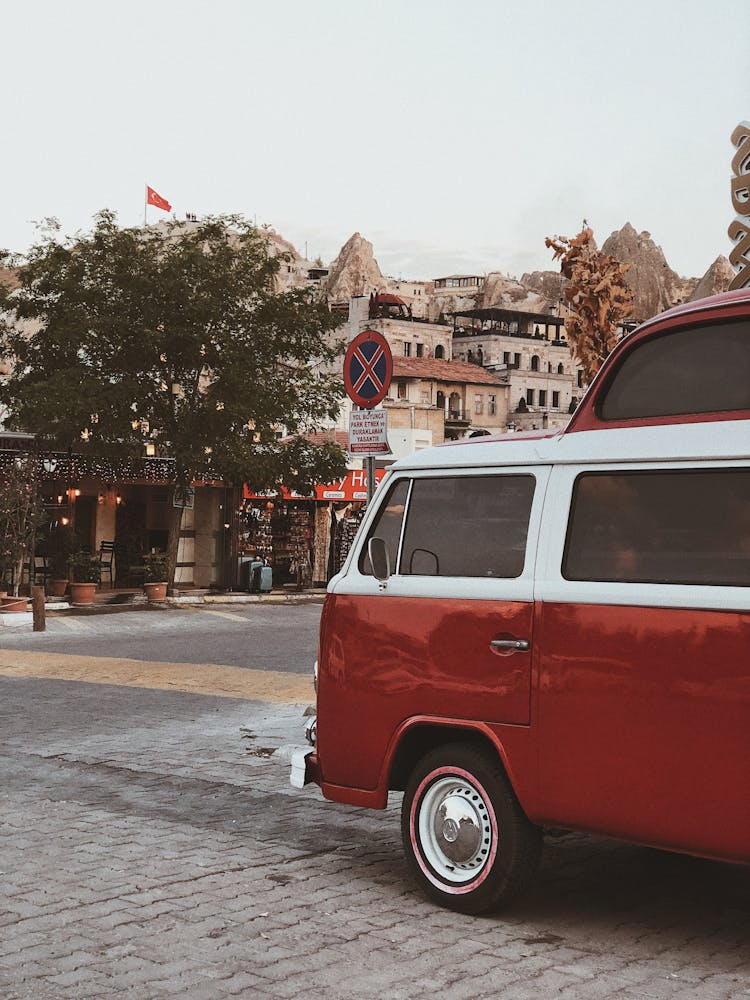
[(519, 645)]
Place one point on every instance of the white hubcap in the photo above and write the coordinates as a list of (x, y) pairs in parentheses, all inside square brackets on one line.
[(455, 829)]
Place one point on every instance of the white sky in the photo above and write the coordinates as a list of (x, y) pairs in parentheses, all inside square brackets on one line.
[(454, 136)]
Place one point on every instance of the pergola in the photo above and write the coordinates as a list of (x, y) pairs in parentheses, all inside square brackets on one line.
[(500, 321)]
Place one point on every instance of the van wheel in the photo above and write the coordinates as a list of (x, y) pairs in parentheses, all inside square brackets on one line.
[(466, 838)]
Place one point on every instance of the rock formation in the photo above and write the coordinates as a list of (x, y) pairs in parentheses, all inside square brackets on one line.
[(509, 293), (9, 278), (444, 301), (716, 279), (280, 245), (354, 272), (548, 285), (655, 285)]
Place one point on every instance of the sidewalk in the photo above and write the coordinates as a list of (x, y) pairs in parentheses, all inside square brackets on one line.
[(109, 601)]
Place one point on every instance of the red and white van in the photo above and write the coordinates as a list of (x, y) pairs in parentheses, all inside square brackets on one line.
[(556, 630)]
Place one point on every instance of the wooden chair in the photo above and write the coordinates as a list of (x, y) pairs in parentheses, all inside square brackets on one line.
[(106, 561), (39, 573)]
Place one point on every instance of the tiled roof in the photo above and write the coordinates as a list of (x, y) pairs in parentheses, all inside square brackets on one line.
[(444, 371)]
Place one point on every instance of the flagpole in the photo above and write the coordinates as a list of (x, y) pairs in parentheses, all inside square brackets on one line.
[(145, 204)]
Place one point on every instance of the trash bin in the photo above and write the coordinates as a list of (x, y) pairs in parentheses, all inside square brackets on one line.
[(266, 579), (255, 572), (245, 573)]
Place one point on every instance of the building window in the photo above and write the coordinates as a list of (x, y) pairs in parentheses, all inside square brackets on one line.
[(439, 351), (542, 397), (530, 397), (506, 357), (579, 380), (535, 362), (517, 360), (401, 390), (561, 369), (491, 405), (478, 407), (420, 350), (424, 396), (407, 349), (555, 400)]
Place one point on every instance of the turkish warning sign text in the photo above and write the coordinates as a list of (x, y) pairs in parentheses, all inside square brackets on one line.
[(368, 433)]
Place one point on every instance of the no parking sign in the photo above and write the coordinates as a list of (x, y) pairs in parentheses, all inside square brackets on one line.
[(368, 369)]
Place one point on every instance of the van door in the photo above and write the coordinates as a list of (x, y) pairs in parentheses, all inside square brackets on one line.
[(644, 673), (450, 635)]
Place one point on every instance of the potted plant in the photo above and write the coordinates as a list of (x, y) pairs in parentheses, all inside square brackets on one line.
[(84, 570), (155, 576), (62, 543), (58, 580)]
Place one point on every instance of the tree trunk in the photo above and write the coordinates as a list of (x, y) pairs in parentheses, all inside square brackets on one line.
[(173, 539), (17, 574)]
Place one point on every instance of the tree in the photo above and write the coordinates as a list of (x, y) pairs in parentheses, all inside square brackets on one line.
[(21, 512), (597, 295), (177, 337)]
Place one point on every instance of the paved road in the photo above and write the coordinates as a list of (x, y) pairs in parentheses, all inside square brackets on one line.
[(266, 637), (148, 849)]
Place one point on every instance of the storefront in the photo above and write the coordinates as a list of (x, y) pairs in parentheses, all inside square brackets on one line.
[(122, 510), (304, 539)]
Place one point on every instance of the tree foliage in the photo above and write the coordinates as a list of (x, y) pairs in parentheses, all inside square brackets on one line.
[(175, 336), (597, 295)]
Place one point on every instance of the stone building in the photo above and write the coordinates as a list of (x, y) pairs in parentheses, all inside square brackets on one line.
[(459, 399), (531, 354)]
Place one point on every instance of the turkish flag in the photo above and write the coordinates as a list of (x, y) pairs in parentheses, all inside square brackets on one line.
[(152, 198)]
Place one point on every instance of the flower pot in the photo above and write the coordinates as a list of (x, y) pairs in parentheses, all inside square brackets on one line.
[(82, 594), (13, 605), (57, 588), (155, 591)]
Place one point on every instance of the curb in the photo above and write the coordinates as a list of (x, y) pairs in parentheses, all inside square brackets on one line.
[(188, 600)]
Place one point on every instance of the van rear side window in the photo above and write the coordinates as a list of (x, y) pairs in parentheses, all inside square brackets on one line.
[(679, 527)]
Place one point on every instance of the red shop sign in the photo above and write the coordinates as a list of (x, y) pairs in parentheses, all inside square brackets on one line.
[(351, 488)]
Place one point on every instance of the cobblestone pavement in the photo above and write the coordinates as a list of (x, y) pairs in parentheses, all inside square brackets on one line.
[(148, 849)]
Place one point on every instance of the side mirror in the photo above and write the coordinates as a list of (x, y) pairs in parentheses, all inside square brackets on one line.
[(379, 559)]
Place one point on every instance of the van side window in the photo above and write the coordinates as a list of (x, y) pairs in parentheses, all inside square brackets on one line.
[(387, 525), (680, 527), (702, 370), (468, 526)]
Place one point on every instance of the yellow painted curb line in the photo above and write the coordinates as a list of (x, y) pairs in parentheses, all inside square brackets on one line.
[(208, 679)]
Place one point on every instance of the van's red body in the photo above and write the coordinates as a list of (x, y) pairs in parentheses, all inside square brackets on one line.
[(628, 715)]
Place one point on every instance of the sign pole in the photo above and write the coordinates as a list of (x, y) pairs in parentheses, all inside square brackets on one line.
[(370, 477), (368, 369)]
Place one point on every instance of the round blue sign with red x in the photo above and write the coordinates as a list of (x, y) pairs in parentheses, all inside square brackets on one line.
[(368, 369)]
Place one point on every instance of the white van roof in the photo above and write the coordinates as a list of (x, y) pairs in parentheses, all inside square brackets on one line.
[(720, 440)]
